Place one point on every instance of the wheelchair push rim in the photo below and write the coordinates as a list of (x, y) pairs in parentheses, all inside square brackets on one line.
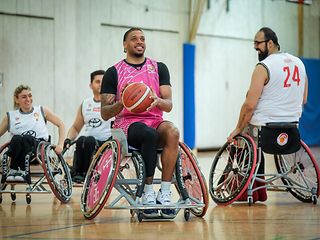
[(56, 171), (100, 179), (193, 180), (232, 170)]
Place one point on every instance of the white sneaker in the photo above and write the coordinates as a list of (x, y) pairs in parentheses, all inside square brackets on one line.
[(149, 198), (164, 198), (20, 176), (11, 175)]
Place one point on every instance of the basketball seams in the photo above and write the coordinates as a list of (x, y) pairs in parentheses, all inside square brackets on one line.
[(140, 100), (135, 97)]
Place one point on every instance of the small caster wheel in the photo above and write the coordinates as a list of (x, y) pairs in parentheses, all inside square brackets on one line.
[(187, 214), (250, 201), (140, 216), (13, 196), (28, 199), (132, 212), (314, 199)]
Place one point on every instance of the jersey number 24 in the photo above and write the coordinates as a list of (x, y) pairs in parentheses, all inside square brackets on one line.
[(295, 77)]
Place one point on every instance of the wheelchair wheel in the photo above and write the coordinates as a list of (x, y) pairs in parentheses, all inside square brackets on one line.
[(56, 171), (100, 179), (303, 172), (232, 170), (3, 149), (193, 180)]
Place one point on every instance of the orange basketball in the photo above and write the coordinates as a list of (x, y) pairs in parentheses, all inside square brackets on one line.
[(136, 97)]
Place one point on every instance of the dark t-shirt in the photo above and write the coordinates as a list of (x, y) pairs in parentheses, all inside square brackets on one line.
[(110, 78)]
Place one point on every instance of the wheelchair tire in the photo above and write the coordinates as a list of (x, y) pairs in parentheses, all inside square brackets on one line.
[(56, 171), (232, 169), (193, 180), (100, 179), (305, 173), (3, 149)]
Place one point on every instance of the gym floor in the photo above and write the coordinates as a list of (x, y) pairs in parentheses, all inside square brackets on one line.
[(280, 217)]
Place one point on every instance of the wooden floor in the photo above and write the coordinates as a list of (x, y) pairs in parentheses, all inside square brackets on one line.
[(280, 217)]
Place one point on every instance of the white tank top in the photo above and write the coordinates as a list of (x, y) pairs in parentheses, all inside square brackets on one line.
[(282, 97), (94, 124), (32, 123)]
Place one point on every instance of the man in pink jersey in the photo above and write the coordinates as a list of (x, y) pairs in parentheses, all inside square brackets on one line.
[(146, 131), (277, 91)]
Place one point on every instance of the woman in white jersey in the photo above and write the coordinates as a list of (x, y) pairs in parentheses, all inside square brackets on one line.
[(96, 130), (27, 127)]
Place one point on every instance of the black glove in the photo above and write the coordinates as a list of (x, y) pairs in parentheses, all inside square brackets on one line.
[(67, 143)]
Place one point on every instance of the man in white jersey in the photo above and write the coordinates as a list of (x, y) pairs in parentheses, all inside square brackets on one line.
[(277, 91), (278, 88), (96, 130), (27, 126)]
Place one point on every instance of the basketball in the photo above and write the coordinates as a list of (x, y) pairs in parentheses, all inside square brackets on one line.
[(136, 97)]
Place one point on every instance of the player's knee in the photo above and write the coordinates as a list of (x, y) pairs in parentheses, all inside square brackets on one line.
[(173, 135), (16, 139), (90, 140), (150, 135)]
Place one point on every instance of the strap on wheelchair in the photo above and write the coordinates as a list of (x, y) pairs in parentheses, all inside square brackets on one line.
[(281, 125)]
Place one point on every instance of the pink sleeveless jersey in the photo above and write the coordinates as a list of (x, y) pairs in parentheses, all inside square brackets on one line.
[(148, 74)]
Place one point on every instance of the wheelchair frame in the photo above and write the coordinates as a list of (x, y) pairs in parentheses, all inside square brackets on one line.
[(113, 155), (55, 173), (235, 170)]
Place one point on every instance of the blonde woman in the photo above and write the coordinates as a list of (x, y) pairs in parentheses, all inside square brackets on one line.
[(27, 127)]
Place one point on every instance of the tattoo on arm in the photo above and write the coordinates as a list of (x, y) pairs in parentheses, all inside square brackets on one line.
[(109, 106)]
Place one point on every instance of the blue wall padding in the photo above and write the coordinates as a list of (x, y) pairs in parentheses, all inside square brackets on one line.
[(188, 94), (310, 120)]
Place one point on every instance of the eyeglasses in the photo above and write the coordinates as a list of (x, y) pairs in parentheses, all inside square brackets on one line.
[(258, 42)]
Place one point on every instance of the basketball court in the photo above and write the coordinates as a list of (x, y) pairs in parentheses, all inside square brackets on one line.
[(280, 217)]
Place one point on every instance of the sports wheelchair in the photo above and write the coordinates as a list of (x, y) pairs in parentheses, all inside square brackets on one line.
[(116, 166), (47, 168), (234, 172)]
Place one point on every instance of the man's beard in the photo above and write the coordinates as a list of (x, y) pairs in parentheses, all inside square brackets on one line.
[(138, 55), (263, 55)]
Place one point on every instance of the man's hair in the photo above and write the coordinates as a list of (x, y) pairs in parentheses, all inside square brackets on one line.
[(95, 73), (129, 31), (269, 34)]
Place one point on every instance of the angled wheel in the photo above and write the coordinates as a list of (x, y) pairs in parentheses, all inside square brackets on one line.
[(232, 170), (3, 150), (192, 179), (302, 171), (100, 178), (56, 171)]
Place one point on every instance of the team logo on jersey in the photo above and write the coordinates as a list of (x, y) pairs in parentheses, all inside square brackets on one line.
[(36, 116), (255, 131), (96, 109), (151, 68), (282, 139), (29, 133), (95, 122)]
